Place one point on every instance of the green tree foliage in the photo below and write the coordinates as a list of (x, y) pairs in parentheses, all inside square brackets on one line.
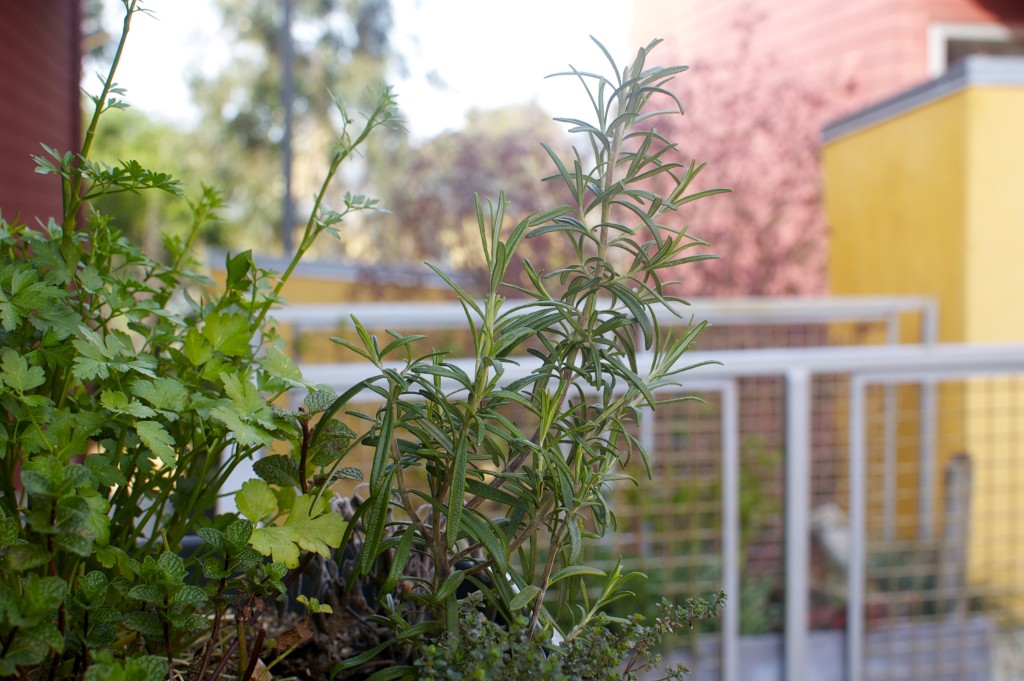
[(429, 189), (154, 144), (340, 50)]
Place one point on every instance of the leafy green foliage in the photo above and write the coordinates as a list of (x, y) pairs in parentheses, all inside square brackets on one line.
[(131, 387), (497, 473), (604, 650)]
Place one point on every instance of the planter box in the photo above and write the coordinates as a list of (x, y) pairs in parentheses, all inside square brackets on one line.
[(958, 650)]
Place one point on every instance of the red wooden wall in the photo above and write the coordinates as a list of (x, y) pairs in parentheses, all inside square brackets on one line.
[(870, 49), (40, 64)]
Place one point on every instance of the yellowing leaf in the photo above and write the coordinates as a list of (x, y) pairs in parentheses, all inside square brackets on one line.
[(256, 501), (307, 529)]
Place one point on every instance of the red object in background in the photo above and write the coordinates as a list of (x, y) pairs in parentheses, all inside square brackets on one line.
[(40, 68)]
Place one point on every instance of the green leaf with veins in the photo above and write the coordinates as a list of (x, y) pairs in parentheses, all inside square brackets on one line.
[(311, 529), (159, 441), (256, 501)]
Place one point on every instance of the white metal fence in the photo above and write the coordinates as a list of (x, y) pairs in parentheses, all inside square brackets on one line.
[(862, 506)]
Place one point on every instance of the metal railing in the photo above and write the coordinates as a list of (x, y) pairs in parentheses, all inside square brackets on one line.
[(847, 435), (758, 313)]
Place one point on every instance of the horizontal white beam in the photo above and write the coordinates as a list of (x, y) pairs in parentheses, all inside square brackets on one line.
[(721, 311), (962, 358)]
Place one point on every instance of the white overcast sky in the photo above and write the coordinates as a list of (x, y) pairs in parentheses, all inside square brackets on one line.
[(488, 54)]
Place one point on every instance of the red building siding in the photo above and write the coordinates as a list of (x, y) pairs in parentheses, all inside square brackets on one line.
[(40, 57), (873, 47), (840, 56)]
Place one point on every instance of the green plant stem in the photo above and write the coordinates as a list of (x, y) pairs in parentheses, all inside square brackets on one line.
[(304, 455), (549, 566), (215, 629), (240, 636), (257, 645), (312, 229), (403, 493), (72, 198), (282, 656), (258, 612)]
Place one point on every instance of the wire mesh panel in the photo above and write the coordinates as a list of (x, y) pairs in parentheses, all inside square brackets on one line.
[(944, 560)]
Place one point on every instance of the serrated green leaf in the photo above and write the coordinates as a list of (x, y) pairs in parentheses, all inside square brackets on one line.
[(244, 395), (117, 402), (16, 374), (280, 366), (246, 434), (228, 333), (189, 594), (277, 469), (141, 668), (92, 588), (197, 349), (9, 531), (171, 567), (23, 650), (256, 501), (158, 440), (145, 623), (311, 529), (319, 400), (147, 593), (237, 534), (164, 393), (104, 472), (212, 536), (213, 568), (190, 622), (109, 556), (348, 473)]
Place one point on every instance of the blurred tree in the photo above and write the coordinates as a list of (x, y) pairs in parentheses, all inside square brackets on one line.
[(757, 127), (429, 190), (161, 146), (340, 47)]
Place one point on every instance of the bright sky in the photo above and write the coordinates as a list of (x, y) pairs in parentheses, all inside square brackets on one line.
[(488, 54)]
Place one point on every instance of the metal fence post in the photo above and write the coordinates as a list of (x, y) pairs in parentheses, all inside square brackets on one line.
[(798, 483), (730, 531), (855, 574)]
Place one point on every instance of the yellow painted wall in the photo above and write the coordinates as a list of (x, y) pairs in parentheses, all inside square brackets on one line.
[(931, 201), (895, 200), (994, 215)]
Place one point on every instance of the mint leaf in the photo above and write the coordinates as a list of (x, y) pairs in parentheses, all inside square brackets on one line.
[(277, 469)]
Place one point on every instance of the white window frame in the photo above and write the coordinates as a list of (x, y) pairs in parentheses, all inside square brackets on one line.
[(940, 33)]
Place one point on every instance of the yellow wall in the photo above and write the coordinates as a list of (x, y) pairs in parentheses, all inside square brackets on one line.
[(994, 216), (931, 201), (894, 197)]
